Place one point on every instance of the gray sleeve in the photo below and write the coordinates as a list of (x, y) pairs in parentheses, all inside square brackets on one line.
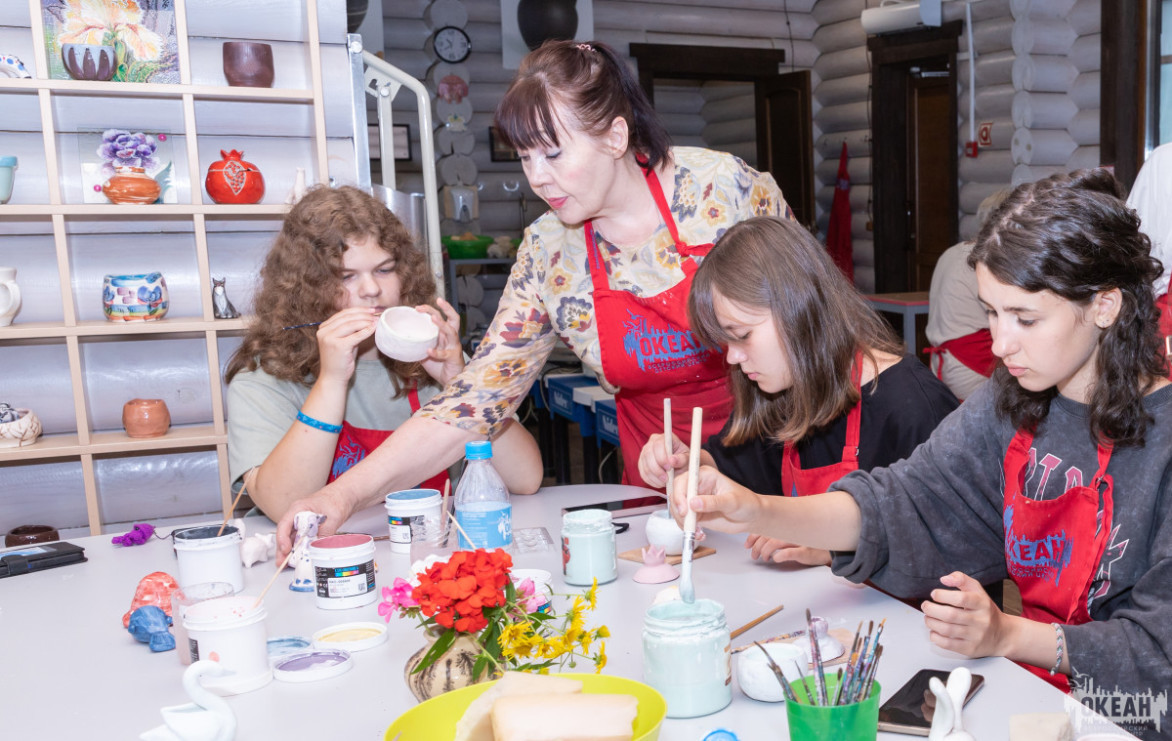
[(935, 512), (260, 412)]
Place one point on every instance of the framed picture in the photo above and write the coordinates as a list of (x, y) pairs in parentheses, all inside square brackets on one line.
[(500, 151), (124, 42), (402, 140), (100, 151)]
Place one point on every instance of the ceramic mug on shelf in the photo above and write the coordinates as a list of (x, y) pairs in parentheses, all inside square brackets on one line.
[(8, 165), (146, 417), (9, 295), (128, 298), (248, 64)]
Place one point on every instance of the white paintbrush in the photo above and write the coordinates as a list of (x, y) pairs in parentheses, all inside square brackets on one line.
[(671, 471), (687, 592)]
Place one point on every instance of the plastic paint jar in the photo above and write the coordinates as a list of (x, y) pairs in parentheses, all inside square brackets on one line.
[(410, 515), (230, 630), (588, 547), (686, 656), (205, 556), (343, 571), (181, 601)]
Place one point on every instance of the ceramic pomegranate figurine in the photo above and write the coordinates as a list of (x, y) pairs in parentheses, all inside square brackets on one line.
[(234, 180)]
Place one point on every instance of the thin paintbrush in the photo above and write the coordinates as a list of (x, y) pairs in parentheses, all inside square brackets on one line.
[(785, 688), (299, 326), (854, 652), (687, 590), (816, 660)]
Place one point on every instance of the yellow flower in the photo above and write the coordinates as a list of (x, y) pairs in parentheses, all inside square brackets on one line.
[(600, 660), (592, 595), (602, 632)]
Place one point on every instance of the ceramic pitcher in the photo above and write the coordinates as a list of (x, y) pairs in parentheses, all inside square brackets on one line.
[(9, 296)]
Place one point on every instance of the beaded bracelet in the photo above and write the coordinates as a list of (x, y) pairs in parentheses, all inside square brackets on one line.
[(1061, 636), (317, 424)]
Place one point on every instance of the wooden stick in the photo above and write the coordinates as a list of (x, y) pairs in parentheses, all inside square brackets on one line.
[(444, 500), (693, 469), (773, 639), (231, 510), (671, 471), (466, 536), (275, 575), (755, 622)]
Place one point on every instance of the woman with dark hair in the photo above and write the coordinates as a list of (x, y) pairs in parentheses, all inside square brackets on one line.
[(1056, 474), (820, 384), (306, 403), (606, 270)]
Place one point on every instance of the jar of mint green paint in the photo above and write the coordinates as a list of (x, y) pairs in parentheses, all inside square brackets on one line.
[(588, 547), (686, 656)]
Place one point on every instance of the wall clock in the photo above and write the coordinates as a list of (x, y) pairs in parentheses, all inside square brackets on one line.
[(452, 45)]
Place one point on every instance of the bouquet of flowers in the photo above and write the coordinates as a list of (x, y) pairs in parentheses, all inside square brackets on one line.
[(120, 148), (515, 626)]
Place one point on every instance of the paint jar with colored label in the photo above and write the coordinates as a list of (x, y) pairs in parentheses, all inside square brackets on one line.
[(686, 656), (182, 599), (411, 514), (231, 631), (343, 571), (588, 547), (205, 554)]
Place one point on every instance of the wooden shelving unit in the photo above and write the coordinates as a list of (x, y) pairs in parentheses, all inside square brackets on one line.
[(184, 225)]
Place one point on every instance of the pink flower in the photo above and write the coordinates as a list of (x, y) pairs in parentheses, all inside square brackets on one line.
[(400, 594), (531, 600)]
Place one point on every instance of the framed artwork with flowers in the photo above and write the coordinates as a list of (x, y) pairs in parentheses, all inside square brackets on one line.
[(117, 40), (102, 151)]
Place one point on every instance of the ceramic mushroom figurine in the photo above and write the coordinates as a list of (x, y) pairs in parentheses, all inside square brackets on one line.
[(947, 723), (207, 718)]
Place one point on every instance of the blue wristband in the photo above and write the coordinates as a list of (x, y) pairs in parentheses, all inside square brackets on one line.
[(317, 424)]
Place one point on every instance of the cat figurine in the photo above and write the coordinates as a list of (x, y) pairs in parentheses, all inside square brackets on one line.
[(221, 306)]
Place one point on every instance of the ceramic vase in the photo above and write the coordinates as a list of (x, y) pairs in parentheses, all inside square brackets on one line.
[(8, 167), (248, 64), (128, 298), (30, 535), (88, 61), (450, 672), (146, 417), (24, 430), (234, 180), (9, 295), (131, 185)]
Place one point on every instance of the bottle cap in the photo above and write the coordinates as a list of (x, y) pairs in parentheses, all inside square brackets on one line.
[(478, 450)]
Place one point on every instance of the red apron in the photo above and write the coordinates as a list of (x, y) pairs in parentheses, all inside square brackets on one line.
[(649, 351), (974, 351), (1053, 547), (799, 483), (354, 443)]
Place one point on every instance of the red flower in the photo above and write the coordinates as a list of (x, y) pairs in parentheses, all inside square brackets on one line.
[(457, 592)]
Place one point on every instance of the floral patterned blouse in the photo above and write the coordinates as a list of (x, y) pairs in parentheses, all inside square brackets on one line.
[(549, 292)]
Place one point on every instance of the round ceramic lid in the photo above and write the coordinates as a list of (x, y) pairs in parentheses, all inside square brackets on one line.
[(310, 666), (351, 636)]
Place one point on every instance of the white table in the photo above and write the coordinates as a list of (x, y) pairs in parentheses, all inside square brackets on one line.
[(69, 669)]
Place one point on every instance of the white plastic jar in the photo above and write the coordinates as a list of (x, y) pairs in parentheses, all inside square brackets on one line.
[(343, 571), (410, 515), (230, 630), (205, 556)]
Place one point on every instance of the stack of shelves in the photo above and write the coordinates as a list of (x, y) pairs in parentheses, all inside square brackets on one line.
[(61, 357)]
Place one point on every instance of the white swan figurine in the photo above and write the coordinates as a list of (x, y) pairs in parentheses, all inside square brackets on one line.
[(947, 724), (208, 718)]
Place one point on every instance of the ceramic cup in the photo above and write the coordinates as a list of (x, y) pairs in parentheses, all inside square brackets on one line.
[(146, 417), (248, 64), (405, 334), (30, 534), (141, 297), (24, 430), (757, 680), (662, 530), (8, 166), (88, 61), (9, 295)]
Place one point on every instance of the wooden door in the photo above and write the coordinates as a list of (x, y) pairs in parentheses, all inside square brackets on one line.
[(930, 230), (785, 135)]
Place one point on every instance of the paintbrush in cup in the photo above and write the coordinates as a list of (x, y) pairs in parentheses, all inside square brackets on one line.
[(687, 591), (671, 471)]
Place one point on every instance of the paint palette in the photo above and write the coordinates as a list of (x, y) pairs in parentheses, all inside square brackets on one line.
[(310, 666)]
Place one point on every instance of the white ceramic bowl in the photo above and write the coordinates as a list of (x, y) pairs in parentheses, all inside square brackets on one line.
[(757, 680), (662, 530), (405, 334)]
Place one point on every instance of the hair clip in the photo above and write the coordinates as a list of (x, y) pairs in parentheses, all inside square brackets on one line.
[(585, 47)]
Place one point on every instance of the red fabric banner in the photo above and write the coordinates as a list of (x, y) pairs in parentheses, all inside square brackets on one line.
[(838, 234)]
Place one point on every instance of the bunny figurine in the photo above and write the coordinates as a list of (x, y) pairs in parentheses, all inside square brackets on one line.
[(947, 724)]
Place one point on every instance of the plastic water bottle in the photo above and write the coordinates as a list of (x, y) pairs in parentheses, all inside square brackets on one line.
[(482, 501)]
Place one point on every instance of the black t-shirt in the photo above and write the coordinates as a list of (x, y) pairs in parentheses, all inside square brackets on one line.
[(899, 413)]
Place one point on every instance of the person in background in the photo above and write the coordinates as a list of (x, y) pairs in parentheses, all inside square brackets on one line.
[(306, 403), (1151, 197), (606, 270), (1057, 473), (821, 386), (961, 351)]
